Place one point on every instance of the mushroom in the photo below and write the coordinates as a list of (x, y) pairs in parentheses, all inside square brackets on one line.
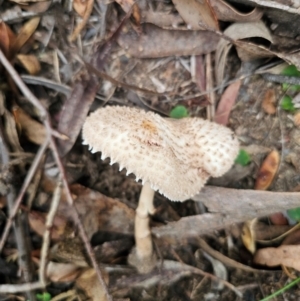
[(173, 156)]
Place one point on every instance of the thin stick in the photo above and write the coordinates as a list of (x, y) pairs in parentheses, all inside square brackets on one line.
[(19, 288), (210, 109), (47, 233)]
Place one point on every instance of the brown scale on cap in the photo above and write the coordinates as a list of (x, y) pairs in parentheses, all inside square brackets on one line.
[(175, 156)]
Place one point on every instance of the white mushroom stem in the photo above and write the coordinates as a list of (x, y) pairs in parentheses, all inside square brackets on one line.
[(142, 233)]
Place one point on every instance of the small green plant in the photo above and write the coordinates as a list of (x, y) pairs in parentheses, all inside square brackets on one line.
[(243, 158), (291, 71), (294, 214), (179, 112), (43, 297), (287, 104)]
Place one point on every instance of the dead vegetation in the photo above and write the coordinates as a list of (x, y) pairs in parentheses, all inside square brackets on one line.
[(67, 218)]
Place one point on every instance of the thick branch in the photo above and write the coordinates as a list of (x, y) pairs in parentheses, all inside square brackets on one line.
[(228, 206)]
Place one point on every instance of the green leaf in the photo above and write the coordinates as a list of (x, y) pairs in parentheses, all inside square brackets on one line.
[(294, 214), (287, 104), (291, 71), (243, 158), (43, 297), (179, 112)]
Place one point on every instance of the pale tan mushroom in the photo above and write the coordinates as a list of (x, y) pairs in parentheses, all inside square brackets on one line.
[(174, 157)]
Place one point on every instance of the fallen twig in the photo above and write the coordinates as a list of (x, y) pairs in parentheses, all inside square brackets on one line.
[(227, 206)]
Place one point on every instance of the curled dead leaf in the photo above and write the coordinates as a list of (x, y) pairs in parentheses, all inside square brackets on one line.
[(226, 12), (269, 101), (30, 63), (267, 171), (248, 235), (219, 270), (238, 31)]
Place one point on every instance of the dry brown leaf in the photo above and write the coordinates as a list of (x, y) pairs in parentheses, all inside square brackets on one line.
[(7, 38), (236, 32), (248, 235), (226, 12), (98, 211), (195, 13), (248, 51), (25, 33), (268, 103), (227, 102), (37, 224), (157, 42), (267, 171), (62, 272), (32, 129), (88, 281), (287, 255), (80, 7), (30, 63)]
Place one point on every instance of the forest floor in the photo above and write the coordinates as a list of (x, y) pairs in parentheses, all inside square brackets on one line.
[(234, 63)]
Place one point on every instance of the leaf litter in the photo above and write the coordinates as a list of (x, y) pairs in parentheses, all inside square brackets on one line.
[(153, 57)]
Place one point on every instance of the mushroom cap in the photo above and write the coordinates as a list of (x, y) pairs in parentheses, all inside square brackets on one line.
[(176, 156)]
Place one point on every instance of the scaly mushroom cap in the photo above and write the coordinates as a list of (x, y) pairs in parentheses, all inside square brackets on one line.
[(176, 156)]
